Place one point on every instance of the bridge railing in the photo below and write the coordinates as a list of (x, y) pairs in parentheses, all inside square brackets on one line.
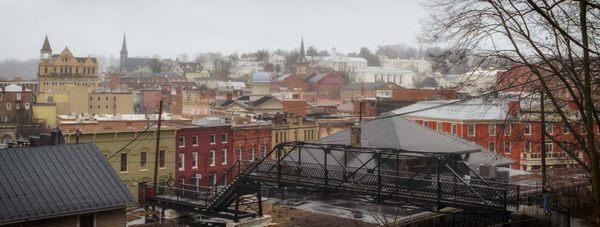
[(426, 187)]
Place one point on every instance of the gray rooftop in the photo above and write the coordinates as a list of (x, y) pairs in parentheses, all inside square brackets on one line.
[(54, 181)]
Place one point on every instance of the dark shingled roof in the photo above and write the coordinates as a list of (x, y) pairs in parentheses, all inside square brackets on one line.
[(46, 45), (54, 181), (262, 100), (367, 85)]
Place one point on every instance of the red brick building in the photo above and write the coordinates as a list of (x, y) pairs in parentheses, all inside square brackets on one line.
[(251, 141), (293, 81), (204, 153), (502, 128), (327, 85)]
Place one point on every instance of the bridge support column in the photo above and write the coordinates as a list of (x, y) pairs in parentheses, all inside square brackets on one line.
[(259, 197), (236, 217), (326, 172), (279, 166), (439, 185)]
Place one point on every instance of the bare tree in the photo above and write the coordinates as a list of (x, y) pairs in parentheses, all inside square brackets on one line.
[(555, 40)]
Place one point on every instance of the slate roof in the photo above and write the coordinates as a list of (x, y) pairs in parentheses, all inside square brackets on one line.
[(471, 110), (137, 63), (54, 181), (400, 133), (317, 77), (261, 101), (46, 45), (261, 77)]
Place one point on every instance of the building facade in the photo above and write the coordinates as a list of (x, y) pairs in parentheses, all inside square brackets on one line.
[(15, 109), (134, 163), (251, 140), (204, 153), (398, 76), (290, 128), (415, 65)]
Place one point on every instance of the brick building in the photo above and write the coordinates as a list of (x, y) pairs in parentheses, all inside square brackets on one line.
[(15, 110), (503, 127), (368, 90), (204, 153), (327, 85), (251, 140), (99, 123)]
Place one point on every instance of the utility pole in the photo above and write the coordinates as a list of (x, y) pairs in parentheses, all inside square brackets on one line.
[(543, 138), (157, 145)]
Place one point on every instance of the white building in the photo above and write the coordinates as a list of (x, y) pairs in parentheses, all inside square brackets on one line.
[(417, 65), (277, 61), (377, 74), (244, 69), (338, 62)]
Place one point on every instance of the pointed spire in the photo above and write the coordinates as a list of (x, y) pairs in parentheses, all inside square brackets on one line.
[(46, 46), (302, 57), (124, 47)]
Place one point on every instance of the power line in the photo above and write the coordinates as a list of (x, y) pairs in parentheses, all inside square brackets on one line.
[(134, 139)]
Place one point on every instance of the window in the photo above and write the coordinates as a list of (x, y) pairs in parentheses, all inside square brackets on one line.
[(276, 137), (180, 161), (26, 105), (224, 138), (527, 146), (426, 123), (212, 139), (439, 126), (239, 153), (211, 158), (507, 148), (549, 129), (17, 106), (8, 107), (263, 152), (507, 129), (492, 146), (549, 147), (181, 141), (252, 153), (143, 159), (194, 160), (18, 96), (212, 180), (124, 162), (87, 220), (194, 140), (527, 128), (471, 130), (194, 182), (224, 157), (565, 129), (161, 159), (453, 129)]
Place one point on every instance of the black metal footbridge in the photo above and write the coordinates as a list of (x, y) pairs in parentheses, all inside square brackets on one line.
[(429, 181)]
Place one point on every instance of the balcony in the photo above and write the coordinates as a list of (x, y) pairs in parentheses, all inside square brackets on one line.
[(552, 158)]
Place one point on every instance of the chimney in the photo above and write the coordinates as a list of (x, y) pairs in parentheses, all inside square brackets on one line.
[(514, 107), (229, 96), (355, 137)]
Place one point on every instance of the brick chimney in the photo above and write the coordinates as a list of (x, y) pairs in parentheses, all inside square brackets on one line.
[(514, 107), (229, 97), (355, 135)]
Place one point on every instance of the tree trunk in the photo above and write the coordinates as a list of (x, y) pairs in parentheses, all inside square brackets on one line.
[(589, 108)]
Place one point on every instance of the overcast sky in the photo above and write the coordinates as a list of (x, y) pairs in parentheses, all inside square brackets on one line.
[(169, 28)]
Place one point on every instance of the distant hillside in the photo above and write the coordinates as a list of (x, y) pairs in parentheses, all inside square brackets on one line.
[(11, 68)]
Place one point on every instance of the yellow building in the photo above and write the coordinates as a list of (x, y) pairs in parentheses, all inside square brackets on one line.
[(135, 163), (115, 103), (294, 129), (65, 81)]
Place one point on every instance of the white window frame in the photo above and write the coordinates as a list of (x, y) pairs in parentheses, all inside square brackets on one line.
[(507, 132), (252, 153), (490, 146), (145, 167), (551, 144), (126, 163), (240, 153), (212, 182), (224, 138), (224, 156), (26, 105), (18, 96), (439, 127), (181, 141), (509, 147), (211, 158), (263, 152), (492, 129), (527, 146), (454, 129), (8, 107), (527, 129), (195, 160), (549, 126), (195, 144), (471, 133), (181, 161), (212, 139)]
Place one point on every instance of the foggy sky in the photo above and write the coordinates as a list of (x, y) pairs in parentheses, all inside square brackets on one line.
[(169, 28)]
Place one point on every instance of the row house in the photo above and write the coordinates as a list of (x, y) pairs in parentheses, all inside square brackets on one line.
[(16, 112), (252, 140), (500, 127), (204, 153)]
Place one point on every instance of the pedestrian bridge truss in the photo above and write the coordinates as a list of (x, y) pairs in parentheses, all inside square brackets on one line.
[(388, 176)]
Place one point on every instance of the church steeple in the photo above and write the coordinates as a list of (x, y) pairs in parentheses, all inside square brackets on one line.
[(123, 60), (46, 51), (302, 57)]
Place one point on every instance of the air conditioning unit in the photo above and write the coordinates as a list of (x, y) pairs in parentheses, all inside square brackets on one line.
[(502, 175), (487, 171)]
